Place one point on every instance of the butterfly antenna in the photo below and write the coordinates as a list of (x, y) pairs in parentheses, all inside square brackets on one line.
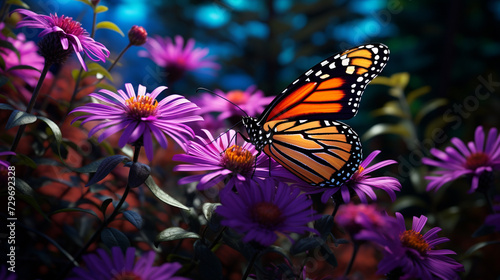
[(212, 92)]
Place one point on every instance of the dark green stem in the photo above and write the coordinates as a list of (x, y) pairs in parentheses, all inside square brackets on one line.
[(4, 11), (335, 209), (351, 262), (250, 265), (31, 105), (489, 202), (109, 68), (106, 222), (217, 238)]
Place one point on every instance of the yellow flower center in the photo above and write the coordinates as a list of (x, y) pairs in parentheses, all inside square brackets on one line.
[(266, 214), (142, 106), (415, 240), (126, 275), (238, 160), (237, 96), (476, 160)]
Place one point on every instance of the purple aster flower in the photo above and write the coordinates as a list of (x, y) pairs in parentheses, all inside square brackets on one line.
[(412, 253), (102, 266), (28, 56), (4, 163), (140, 115), (260, 210), (474, 159), (175, 57), (67, 32), (252, 101), (226, 162), (355, 218), (361, 183)]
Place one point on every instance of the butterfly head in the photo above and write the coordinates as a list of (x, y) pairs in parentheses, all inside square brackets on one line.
[(254, 131)]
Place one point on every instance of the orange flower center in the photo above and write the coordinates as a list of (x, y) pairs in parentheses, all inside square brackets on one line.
[(142, 106), (476, 160), (415, 240), (238, 160), (126, 275), (237, 96), (267, 214)]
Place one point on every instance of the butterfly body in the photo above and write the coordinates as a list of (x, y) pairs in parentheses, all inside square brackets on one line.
[(300, 128)]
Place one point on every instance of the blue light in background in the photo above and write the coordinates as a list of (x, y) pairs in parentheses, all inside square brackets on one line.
[(360, 31), (257, 29), (281, 6), (318, 38), (131, 12), (299, 21), (236, 81), (495, 8), (367, 7), (212, 16), (244, 5)]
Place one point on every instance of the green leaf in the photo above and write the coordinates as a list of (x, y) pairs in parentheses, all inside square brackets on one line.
[(89, 168), (30, 200), (18, 3), (19, 118), (75, 209), (398, 80), (8, 45), (106, 166), (390, 108), (105, 205), (75, 73), (113, 237), (23, 67), (209, 265), (94, 69), (414, 94), (24, 188), (25, 160), (408, 201), (109, 25), (161, 195), (100, 9), (174, 233), (106, 86), (4, 106), (134, 218), (478, 246), (429, 107), (378, 129), (55, 131)]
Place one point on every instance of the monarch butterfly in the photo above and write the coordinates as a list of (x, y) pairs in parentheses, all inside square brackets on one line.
[(299, 129)]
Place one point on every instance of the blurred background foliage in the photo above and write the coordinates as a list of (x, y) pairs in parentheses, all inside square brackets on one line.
[(440, 82)]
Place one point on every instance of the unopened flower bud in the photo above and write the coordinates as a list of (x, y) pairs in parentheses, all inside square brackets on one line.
[(137, 35)]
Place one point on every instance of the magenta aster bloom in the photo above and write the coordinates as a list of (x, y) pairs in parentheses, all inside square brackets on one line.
[(261, 209), (28, 56), (175, 57), (473, 159), (140, 115), (361, 183), (226, 162), (66, 31), (355, 218), (102, 266), (5, 163), (413, 254), (252, 101)]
